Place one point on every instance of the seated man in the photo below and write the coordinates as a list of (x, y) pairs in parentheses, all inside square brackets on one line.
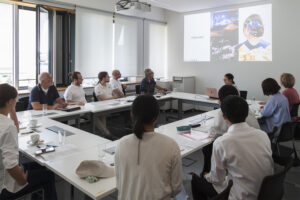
[(148, 84), (116, 85), (103, 92), (75, 94), (45, 93), (220, 127), (117, 88), (242, 155)]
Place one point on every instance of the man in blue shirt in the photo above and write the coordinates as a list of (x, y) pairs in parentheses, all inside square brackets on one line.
[(148, 84), (45, 93)]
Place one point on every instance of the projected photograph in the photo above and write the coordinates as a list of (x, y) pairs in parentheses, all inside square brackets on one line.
[(224, 35), (237, 34), (255, 33)]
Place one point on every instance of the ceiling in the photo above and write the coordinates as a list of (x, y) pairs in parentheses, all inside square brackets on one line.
[(194, 5)]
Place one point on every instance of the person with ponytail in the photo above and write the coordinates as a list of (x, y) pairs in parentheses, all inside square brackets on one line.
[(228, 80), (75, 94), (148, 164)]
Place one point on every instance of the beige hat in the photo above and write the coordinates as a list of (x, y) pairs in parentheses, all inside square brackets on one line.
[(94, 168)]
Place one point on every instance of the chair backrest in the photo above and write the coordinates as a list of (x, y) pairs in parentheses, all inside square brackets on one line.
[(272, 186), (294, 111), (22, 104), (286, 132), (225, 194), (138, 89), (243, 94), (272, 134), (95, 97)]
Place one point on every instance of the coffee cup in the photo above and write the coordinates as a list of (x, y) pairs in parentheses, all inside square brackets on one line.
[(35, 138), (33, 123)]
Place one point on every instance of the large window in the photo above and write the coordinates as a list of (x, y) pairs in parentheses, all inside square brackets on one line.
[(27, 48), (6, 43), (26, 43)]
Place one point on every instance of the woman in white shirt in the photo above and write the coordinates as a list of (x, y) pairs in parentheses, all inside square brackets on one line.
[(75, 94), (13, 179), (148, 164)]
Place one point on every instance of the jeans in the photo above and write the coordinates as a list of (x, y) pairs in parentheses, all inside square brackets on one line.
[(38, 176)]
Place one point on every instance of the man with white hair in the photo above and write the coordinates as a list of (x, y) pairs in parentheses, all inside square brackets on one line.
[(148, 84), (45, 93)]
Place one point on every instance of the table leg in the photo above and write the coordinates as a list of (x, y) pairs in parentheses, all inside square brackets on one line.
[(93, 123), (180, 111)]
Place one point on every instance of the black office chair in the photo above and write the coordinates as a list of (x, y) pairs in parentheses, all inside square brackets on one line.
[(138, 89), (243, 94), (294, 111), (22, 104), (282, 153), (272, 186), (225, 194), (272, 134), (95, 97)]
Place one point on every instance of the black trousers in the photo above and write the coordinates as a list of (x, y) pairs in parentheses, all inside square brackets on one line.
[(207, 153), (202, 189), (38, 176)]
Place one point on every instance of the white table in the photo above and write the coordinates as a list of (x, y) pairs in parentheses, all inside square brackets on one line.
[(84, 146)]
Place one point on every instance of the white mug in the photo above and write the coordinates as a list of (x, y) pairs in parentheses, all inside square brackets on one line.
[(35, 138), (33, 123)]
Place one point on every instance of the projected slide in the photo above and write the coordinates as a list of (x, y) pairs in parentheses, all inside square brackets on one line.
[(243, 34)]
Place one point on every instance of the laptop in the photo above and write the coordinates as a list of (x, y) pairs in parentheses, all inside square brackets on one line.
[(212, 93)]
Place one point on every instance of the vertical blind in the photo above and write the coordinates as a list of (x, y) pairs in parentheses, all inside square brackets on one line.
[(158, 48), (126, 45), (94, 39), (102, 45)]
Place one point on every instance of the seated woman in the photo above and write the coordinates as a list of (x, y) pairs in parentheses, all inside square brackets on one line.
[(288, 81), (228, 80), (276, 111), (148, 164), (14, 180)]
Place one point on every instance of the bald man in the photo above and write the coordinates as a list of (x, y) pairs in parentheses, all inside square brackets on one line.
[(45, 93), (116, 85)]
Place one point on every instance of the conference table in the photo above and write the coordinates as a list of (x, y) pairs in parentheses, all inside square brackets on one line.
[(81, 145)]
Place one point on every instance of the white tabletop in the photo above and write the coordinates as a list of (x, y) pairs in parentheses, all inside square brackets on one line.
[(84, 146)]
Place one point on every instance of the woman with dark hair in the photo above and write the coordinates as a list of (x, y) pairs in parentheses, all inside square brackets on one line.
[(276, 111), (228, 80), (14, 180), (148, 164), (75, 94)]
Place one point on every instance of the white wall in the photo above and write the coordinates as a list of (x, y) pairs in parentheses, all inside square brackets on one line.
[(286, 54)]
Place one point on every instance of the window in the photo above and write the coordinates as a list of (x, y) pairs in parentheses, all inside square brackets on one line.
[(27, 48), (6, 43), (44, 41)]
